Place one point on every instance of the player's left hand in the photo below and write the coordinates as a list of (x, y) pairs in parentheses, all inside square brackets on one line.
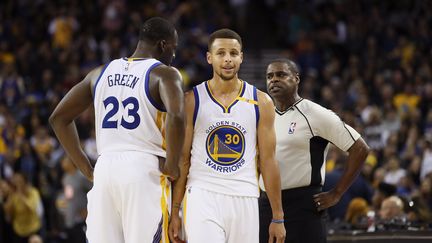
[(277, 233), (174, 229), (325, 200)]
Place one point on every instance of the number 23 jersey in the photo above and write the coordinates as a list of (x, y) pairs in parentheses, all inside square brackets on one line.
[(126, 116), (223, 156)]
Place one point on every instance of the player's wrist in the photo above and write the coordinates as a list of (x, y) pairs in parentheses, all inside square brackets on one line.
[(279, 215), (175, 208), (278, 221)]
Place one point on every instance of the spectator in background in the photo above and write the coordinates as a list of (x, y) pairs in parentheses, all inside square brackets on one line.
[(426, 164), (419, 213), (394, 173), (391, 208), (24, 209), (383, 191), (62, 29), (12, 86), (75, 188), (35, 239), (43, 144), (357, 212), (6, 231)]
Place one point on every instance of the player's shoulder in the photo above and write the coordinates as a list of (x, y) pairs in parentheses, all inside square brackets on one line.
[(95, 74), (164, 70)]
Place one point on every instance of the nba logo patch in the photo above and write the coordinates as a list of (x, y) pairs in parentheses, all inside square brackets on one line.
[(292, 128)]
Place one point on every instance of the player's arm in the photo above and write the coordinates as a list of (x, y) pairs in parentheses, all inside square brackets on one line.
[(179, 186), (268, 164), (78, 99), (356, 156), (172, 97)]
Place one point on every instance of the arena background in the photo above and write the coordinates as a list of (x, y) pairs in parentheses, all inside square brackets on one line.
[(367, 60)]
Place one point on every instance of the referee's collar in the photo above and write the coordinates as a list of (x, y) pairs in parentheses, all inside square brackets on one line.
[(289, 108)]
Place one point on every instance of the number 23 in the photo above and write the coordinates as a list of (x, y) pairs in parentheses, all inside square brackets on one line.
[(132, 112)]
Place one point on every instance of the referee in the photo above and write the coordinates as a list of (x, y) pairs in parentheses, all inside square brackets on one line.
[(304, 130)]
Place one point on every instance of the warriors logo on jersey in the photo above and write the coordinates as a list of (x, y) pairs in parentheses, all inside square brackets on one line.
[(225, 147)]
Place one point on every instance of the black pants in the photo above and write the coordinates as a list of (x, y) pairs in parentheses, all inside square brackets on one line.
[(76, 234), (303, 222)]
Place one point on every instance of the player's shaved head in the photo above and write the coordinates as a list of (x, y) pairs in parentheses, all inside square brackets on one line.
[(157, 29), (224, 34)]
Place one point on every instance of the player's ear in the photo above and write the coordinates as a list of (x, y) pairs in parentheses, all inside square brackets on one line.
[(241, 57), (209, 60), (162, 45)]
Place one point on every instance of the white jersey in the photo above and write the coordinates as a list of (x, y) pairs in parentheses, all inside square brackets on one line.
[(223, 156), (127, 118), (303, 134)]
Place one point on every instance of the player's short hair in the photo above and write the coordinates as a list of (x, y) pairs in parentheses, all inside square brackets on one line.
[(291, 64), (156, 29), (224, 34)]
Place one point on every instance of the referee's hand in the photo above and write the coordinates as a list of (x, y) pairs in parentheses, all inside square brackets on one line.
[(325, 200), (277, 233)]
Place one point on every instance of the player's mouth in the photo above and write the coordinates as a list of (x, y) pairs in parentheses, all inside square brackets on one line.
[(229, 69)]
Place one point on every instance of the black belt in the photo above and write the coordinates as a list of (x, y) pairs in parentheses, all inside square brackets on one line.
[(297, 192)]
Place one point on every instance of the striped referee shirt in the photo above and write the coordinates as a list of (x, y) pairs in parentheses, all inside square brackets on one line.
[(303, 134)]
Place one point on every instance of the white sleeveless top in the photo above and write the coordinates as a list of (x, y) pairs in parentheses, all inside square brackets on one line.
[(224, 154), (127, 118)]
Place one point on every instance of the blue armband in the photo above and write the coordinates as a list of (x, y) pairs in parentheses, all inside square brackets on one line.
[(278, 221)]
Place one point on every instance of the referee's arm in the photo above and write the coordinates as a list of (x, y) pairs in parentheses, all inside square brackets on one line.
[(356, 156), (268, 166)]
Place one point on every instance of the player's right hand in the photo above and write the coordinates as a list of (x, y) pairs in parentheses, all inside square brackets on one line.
[(172, 171), (277, 233), (174, 229)]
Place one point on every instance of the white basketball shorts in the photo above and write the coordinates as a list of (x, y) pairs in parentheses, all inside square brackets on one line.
[(212, 217), (129, 200)]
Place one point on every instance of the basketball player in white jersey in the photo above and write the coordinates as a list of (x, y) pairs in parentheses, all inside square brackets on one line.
[(227, 121), (132, 97), (304, 131)]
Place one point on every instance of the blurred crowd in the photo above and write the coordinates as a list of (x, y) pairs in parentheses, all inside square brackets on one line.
[(369, 61)]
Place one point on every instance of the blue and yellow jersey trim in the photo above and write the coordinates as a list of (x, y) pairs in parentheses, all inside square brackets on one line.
[(165, 184), (131, 59), (226, 109), (253, 102), (160, 123), (161, 234), (99, 77)]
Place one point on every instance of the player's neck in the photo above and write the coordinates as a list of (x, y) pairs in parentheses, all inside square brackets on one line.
[(143, 50), (141, 54), (223, 87), (283, 104)]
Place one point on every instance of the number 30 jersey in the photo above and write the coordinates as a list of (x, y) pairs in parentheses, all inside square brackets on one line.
[(126, 116), (223, 156)]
